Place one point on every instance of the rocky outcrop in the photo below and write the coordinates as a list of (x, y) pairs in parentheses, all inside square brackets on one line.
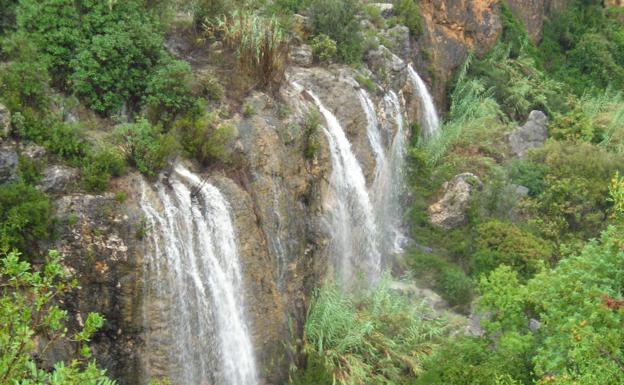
[(452, 29), (450, 211), (96, 237), (531, 135), (5, 122), (8, 162), (57, 179), (301, 55)]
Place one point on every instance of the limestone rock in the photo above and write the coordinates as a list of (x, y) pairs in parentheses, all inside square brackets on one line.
[(450, 211), (8, 162), (531, 135), (301, 55), (385, 8), (5, 121), (387, 67), (57, 178), (398, 38)]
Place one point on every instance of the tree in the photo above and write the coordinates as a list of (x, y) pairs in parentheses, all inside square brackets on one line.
[(31, 322)]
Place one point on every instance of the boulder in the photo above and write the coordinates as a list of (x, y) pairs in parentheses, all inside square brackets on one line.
[(301, 55), (56, 178), (398, 40), (8, 163), (386, 9), (531, 135), (450, 211), (387, 67), (5, 121)]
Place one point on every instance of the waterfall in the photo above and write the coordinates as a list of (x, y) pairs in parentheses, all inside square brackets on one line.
[(392, 186), (429, 117), (352, 217), (193, 276), (388, 184)]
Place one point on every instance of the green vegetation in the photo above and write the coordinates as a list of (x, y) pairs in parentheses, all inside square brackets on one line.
[(24, 216), (146, 146), (380, 339), (30, 316), (337, 19)]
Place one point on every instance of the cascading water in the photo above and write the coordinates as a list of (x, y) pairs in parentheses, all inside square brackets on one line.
[(352, 216), (387, 186), (429, 117), (193, 272)]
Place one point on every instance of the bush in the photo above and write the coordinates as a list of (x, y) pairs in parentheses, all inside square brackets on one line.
[(574, 201), (100, 166), (408, 14), (447, 279), (337, 19), (208, 86), (30, 314), (575, 125), (311, 126), (500, 243), (168, 92), (149, 150), (23, 81), (204, 139), (29, 170), (323, 47), (24, 216), (529, 174)]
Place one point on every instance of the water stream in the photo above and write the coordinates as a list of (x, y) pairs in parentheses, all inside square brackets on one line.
[(194, 273), (430, 122)]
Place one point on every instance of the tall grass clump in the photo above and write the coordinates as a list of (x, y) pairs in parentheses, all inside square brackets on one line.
[(378, 339), (259, 43), (473, 108)]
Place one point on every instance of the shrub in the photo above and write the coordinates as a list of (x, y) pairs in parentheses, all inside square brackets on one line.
[(311, 126), (208, 86), (500, 243), (574, 126), (55, 27), (113, 66), (29, 313), (100, 166), (24, 79), (24, 216), (204, 139), (408, 14), (168, 91), (146, 146), (337, 19), (323, 47), (7, 18), (29, 170), (529, 174), (447, 279)]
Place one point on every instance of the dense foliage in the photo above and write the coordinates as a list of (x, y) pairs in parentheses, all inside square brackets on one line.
[(31, 322)]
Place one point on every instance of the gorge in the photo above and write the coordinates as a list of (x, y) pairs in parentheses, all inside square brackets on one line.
[(311, 192)]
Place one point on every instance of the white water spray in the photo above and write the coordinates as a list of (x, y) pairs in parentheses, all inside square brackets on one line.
[(429, 121), (351, 215), (193, 272)]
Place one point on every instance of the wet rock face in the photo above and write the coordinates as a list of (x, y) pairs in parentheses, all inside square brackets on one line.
[(531, 135), (264, 303), (450, 211), (96, 239), (453, 28)]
